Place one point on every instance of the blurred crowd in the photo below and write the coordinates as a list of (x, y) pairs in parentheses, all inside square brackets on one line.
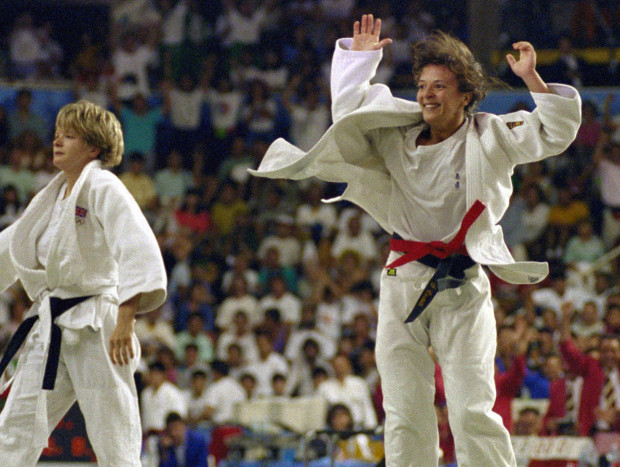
[(273, 293)]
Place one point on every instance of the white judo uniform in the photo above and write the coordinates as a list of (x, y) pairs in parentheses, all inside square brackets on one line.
[(102, 247), (459, 323)]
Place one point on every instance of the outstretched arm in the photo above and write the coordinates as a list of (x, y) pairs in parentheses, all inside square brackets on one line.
[(354, 64), (525, 67)]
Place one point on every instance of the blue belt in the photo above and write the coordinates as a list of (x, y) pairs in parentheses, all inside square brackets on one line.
[(57, 306)]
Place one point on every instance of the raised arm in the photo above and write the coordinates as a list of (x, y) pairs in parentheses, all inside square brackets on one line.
[(354, 64)]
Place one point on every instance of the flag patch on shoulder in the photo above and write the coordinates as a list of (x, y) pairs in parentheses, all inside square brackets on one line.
[(512, 125)]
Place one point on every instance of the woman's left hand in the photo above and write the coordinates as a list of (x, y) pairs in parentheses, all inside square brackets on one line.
[(121, 340), (526, 63), (525, 67)]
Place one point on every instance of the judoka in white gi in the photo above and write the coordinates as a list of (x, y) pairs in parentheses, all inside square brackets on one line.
[(83, 247), (437, 177)]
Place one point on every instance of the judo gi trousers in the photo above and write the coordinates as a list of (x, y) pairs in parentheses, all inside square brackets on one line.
[(460, 326), (105, 392)]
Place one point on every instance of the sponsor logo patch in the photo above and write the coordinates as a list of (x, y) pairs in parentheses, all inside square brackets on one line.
[(391, 272), (512, 125)]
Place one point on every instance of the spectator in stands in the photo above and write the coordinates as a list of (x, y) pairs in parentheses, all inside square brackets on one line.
[(351, 390), (353, 238), (192, 214), (569, 67), (240, 334), (153, 331), (172, 182), (51, 54), (180, 445), (222, 395), (317, 218), (18, 175), (93, 89), (238, 299), (585, 247), (24, 118), (196, 401), (309, 116), (589, 131), (277, 330), (559, 292), (24, 48), (241, 25), (510, 368), (587, 323), (259, 114), (248, 383), (198, 301), (158, 399), (139, 183), (186, 104), (564, 216), (224, 103), (565, 405), (10, 206), (284, 240), (600, 401), (268, 363), (195, 334), (235, 360), (242, 266), (279, 385), (535, 219), (140, 124), (606, 157), (280, 298), (529, 422), (227, 207), (234, 166), (304, 363), (132, 63), (188, 365)]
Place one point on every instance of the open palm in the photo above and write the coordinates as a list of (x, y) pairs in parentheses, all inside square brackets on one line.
[(366, 34)]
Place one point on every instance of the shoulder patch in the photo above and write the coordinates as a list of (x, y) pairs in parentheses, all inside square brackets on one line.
[(512, 125), (391, 272)]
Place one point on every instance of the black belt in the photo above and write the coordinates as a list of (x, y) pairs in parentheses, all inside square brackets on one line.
[(57, 307), (449, 274)]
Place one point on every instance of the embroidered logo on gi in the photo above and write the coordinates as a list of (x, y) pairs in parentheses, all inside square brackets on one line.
[(457, 185), (391, 272), (80, 215), (532, 279), (512, 125)]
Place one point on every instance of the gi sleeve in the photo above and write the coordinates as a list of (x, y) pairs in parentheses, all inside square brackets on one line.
[(350, 78), (8, 273), (131, 242), (547, 131)]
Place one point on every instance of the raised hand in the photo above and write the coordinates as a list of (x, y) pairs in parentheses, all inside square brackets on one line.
[(366, 34), (526, 64), (525, 67)]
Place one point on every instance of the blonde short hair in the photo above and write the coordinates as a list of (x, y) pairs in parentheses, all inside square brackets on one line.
[(98, 127)]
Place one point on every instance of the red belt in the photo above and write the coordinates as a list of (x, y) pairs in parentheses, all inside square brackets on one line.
[(416, 250)]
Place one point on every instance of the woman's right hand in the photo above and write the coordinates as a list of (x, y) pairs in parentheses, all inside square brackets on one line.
[(366, 34)]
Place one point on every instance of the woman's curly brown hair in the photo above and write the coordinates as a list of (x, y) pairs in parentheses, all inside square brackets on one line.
[(440, 48)]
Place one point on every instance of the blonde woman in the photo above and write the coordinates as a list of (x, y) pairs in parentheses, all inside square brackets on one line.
[(89, 262)]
